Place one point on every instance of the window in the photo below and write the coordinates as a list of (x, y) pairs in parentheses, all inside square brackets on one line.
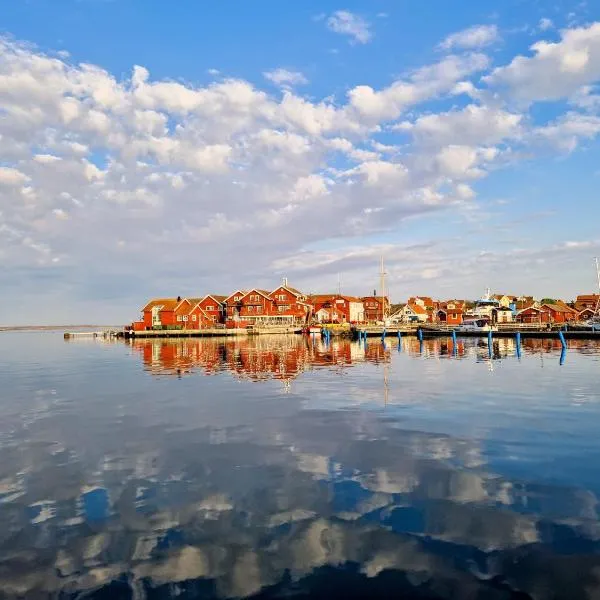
[(282, 297), (194, 317), (254, 297), (283, 307), (179, 317), (185, 317), (210, 308), (259, 309), (237, 298), (250, 308)]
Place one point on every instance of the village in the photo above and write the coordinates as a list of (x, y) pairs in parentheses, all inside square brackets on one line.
[(286, 306)]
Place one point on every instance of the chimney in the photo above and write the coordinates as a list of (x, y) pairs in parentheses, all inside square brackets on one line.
[(374, 292), (178, 298), (285, 281)]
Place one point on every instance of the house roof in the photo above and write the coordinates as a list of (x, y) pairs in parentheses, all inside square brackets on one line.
[(261, 292), (289, 289), (375, 298), (242, 292), (530, 308), (317, 298), (558, 307), (425, 299), (194, 301), (164, 303), (215, 297), (457, 309), (417, 308)]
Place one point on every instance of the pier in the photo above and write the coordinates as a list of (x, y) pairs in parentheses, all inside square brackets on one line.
[(502, 332), (210, 332)]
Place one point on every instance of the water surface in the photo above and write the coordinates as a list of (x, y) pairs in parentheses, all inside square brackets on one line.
[(274, 467)]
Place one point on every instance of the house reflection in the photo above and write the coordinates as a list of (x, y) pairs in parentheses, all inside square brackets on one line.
[(260, 358), (256, 358)]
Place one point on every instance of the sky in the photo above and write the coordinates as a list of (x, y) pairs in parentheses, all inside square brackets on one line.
[(157, 148)]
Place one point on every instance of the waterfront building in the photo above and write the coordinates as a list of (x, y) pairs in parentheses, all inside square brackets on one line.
[(586, 301), (450, 313), (337, 308), (375, 307), (214, 306), (415, 313)]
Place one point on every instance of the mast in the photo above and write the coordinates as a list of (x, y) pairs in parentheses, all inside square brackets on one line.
[(382, 275), (597, 309)]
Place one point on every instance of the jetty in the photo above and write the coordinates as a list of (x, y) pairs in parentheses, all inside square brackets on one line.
[(503, 331), (210, 332), (105, 333)]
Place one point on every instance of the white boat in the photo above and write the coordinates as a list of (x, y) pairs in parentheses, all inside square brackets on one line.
[(484, 307), (476, 324)]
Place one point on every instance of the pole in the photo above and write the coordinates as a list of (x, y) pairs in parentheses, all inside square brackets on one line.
[(382, 283), (597, 309)]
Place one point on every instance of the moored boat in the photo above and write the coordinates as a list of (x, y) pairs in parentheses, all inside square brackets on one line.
[(475, 323)]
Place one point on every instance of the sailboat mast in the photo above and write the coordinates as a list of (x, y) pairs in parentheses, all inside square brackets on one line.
[(597, 309), (382, 283)]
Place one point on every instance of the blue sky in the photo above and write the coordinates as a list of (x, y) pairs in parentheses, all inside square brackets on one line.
[(160, 148)]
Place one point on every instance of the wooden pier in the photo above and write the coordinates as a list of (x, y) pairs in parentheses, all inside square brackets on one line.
[(210, 332), (503, 332), (106, 333)]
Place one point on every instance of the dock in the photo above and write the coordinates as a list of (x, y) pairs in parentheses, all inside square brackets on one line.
[(503, 332), (210, 332), (106, 333)]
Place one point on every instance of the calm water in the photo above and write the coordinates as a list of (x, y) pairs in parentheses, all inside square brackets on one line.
[(279, 467)]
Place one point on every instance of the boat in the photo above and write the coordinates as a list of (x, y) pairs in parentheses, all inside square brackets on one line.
[(476, 324), (309, 330), (484, 307)]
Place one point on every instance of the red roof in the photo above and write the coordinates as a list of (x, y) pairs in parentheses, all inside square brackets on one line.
[(164, 303), (417, 308)]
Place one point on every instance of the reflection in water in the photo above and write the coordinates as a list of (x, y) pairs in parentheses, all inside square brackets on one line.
[(124, 485), (285, 357)]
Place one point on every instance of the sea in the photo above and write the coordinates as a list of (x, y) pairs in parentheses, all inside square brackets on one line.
[(291, 467)]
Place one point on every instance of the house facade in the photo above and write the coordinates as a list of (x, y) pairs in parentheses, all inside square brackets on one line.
[(160, 312), (560, 313), (503, 314), (214, 307), (412, 313), (337, 308), (290, 304), (233, 305), (533, 315), (255, 305), (585, 301), (375, 307), (450, 313)]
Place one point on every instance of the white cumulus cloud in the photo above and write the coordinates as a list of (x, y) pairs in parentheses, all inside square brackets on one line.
[(477, 36), (285, 77), (352, 25)]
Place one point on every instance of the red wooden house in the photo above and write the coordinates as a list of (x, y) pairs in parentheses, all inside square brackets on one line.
[(560, 313), (233, 305), (532, 314), (160, 312), (584, 301), (255, 305), (290, 304), (182, 313), (375, 308), (214, 307), (337, 308), (450, 313)]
